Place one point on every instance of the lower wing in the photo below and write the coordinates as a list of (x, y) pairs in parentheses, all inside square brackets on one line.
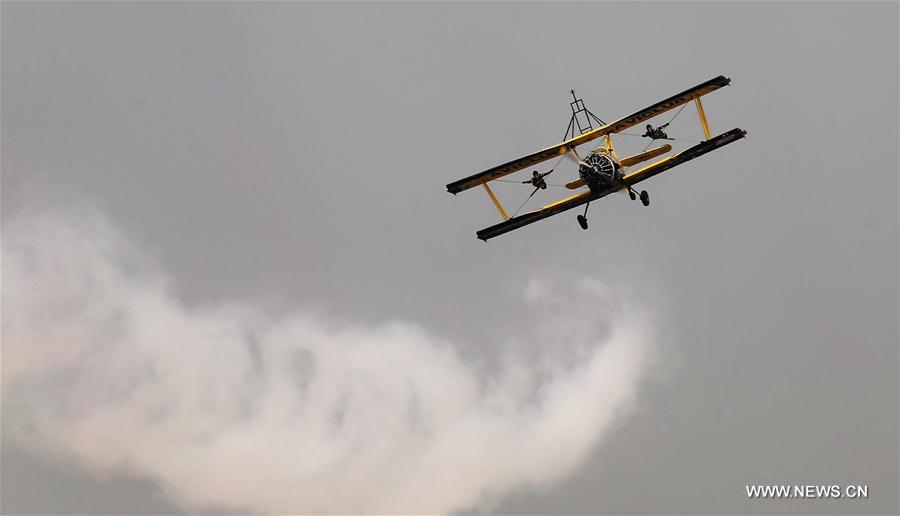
[(684, 156), (536, 215), (630, 179)]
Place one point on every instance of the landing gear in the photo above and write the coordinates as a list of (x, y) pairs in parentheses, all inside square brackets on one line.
[(645, 197), (582, 219)]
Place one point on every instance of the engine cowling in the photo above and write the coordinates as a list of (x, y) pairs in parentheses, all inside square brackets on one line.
[(598, 170)]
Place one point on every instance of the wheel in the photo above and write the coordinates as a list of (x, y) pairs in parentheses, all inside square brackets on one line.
[(631, 194), (582, 222), (645, 198)]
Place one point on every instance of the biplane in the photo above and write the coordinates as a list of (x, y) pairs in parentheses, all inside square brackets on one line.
[(601, 172)]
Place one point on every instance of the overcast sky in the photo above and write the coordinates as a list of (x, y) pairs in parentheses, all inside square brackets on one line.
[(190, 189)]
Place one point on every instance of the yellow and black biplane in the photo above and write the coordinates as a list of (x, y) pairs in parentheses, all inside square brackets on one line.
[(601, 172)]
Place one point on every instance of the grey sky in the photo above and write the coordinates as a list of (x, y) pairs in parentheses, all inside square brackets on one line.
[(292, 155)]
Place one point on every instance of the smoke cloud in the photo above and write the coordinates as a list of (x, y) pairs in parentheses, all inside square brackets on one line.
[(224, 406)]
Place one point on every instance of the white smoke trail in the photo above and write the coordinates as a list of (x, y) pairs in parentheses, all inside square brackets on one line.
[(224, 407)]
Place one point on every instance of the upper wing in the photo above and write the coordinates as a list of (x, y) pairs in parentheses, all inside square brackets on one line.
[(510, 167), (564, 147), (684, 156), (665, 105), (536, 215)]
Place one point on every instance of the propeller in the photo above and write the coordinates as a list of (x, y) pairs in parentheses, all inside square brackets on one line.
[(572, 154)]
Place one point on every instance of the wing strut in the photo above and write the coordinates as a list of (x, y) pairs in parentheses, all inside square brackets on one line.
[(702, 116), (496, 202)]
